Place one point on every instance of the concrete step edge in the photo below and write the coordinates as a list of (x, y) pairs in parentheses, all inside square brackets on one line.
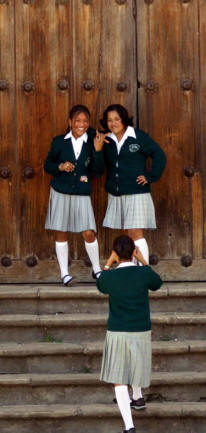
[(158, 410), (90, 379), (86, 319), (88, 291), (44, 349)]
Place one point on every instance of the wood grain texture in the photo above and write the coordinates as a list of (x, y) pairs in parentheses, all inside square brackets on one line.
[(117, 65), (47, 271), (167, 54), (43, 51), (8, 234), (197, 212), (201, 155)]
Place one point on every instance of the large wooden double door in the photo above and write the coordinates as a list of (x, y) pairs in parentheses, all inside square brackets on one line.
[(148, 55)]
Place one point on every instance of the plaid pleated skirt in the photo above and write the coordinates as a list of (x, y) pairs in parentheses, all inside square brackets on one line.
[(127, 358), (135, 211), (69, 213)]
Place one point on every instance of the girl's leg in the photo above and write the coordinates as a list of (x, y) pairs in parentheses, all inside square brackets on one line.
[(92, 248), (62, 252), (123, 401), (140, 242)]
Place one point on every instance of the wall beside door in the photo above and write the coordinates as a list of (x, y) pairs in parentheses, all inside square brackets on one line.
[(147, 55)]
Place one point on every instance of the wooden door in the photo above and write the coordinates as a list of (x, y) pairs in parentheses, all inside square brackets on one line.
[(147, 55)]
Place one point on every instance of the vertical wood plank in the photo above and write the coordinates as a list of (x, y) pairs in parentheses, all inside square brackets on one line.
[(43, 52), (168, 55), (202, 99), (8, 232), (197, 212), (87, 29), (118, 65)]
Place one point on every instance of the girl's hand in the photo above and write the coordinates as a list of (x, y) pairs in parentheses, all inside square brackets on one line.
[(141, 180), (66, 166), (99, 140), (113, 258)]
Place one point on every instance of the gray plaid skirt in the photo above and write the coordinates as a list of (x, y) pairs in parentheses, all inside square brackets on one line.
[(135, 211), (69, 213), (127, 358)]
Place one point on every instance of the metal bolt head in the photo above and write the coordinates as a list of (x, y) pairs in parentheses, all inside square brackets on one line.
[(187, 84), (28, 86), (28, 172), (87, 2), (6, 261), (151, 86), (148, 2), (63, 84), (4, 85), (31, 261), (5, 172), (88, 85), (121, 86), (186, 261), (189, 171), (153, 259)]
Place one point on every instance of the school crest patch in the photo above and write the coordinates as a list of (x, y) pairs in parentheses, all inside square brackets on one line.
[(134, 147)]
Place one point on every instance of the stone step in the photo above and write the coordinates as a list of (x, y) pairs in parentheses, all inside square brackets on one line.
[(80, 327), (33, 299), (17, 389), (56, 358), (169, 417)]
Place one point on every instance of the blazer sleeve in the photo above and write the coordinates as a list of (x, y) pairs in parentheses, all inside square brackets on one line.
[(97, 166), (154, 279), (102, 282), (52, 162), (152, 149)]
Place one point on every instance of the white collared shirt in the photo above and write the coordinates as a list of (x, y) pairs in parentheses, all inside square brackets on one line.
[(77, 142), (130, 132), (124, 264)]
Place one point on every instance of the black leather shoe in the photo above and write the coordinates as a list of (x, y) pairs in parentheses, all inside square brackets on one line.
[(68, 282), (131, 430), (96, 275), (138, 404)]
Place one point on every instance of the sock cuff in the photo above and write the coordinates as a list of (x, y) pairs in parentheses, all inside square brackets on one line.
[(140, 242), (91, 243), (58, 244)]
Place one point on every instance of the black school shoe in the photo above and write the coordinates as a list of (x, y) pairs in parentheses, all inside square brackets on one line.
[(138, 404), (131, 430), (96, 275), (135, 404)]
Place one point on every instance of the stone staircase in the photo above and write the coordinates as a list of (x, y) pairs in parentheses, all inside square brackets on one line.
[(50, 353)]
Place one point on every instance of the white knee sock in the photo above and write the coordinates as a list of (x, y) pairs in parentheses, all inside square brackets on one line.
[(123, 402), (62, 252), (143, 247), (136, 392), (92, 249)]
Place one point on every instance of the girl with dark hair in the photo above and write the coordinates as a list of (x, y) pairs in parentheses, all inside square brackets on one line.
[(126, 150), (127, 349), (72, 159)]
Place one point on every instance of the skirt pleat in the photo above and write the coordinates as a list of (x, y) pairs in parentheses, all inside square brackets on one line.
[(69, 213), (127, 358), (130, 212)]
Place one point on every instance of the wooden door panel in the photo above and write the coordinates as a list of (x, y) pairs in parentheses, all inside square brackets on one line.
[(167, 59), (202, 110), (43, 51), (9, 245), (118, 80)]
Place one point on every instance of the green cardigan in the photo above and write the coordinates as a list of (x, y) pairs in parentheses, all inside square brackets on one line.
[(128, 288), (89, 163), (124, 168)]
